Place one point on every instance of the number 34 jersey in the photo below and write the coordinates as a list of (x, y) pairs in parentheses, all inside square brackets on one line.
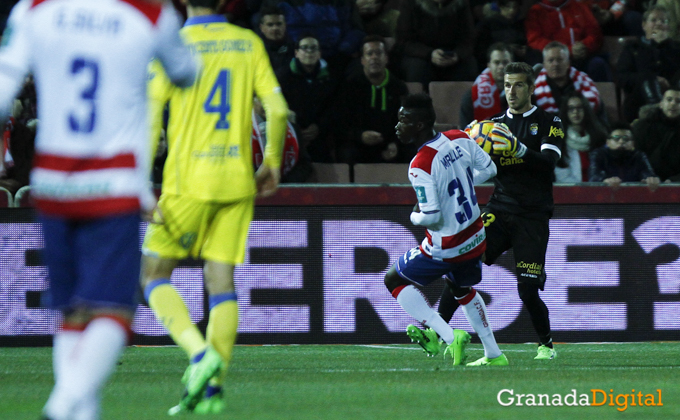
[(89, 60), (443, 174), (209, 127)]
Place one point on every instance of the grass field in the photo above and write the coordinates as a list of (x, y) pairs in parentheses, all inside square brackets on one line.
[(371, 382)]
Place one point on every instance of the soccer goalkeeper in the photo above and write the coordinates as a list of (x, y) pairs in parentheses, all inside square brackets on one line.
[(209, 189), (526, 149)]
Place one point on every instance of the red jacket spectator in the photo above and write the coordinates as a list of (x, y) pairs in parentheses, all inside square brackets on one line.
[(566, 21)]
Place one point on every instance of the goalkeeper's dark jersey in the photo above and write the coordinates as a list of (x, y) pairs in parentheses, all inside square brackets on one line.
[(524, 185)]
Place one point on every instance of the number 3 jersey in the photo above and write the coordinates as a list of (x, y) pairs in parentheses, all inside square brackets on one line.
[(210, 125), (443, 174), (89, 60)]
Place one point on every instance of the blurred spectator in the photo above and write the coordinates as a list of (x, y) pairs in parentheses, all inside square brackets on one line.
[(278, 44), (310, 89), (619, 162), (435, 39), (673, 8), (584, 133), (379, 17), (371, 102), (573, 24), (558, 79), (504, 26), (17, 148), (616, 17), (646, 65), (336, 24), (487, 96), (296, 165), (658, 135)]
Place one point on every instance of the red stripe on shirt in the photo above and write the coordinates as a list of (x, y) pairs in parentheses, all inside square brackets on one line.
[(150, 10), (463, 235), (424, 158), (476, 252), (69, 164), (455, 134), (36, 2), (88, 209)]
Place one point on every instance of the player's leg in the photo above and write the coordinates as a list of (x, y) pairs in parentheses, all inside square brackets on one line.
[(530, 242)]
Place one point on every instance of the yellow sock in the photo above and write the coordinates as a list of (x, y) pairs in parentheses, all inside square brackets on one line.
[(221, 332), (170, 309)]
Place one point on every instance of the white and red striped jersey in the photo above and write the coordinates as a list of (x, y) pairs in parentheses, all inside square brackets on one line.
[(443, 174), (89, 60)]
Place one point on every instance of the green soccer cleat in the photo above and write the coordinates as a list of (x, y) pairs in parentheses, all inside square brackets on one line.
[(212, 405), (485, 361), (545, 353), (427, 339), (197, 375), (457, 349)]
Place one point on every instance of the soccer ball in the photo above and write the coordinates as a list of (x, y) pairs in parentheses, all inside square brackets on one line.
[(480, 132)]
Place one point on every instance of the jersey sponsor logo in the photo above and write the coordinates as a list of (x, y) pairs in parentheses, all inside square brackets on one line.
[(217, 153), (187, 240), (533, 129), (420, 193), (473, 244), (6, 35), (556, 132), (505, 161)]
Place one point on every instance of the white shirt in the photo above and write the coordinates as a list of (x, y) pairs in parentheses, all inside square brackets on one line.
[(89, 60), (443, 173)]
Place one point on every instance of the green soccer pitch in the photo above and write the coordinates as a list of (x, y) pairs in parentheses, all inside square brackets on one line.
[(330, 382)]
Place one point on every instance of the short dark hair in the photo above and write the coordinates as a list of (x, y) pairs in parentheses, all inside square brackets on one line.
[(421, 103), (619, 125), (518, 67), (210, 4), (373, 38), (306, 35), (498, 46), (269, 10), (503, 3)]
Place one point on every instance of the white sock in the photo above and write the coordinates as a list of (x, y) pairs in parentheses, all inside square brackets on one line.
[(414, 304), (475, 312), (94, 358), (62, 350)]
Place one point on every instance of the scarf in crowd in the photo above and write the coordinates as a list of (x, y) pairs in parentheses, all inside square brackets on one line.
[(6, 160), (291, 147), (582, 83), (577, 141), (486, 97)]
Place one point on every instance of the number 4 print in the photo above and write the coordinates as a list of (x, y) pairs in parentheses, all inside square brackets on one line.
[(223, 86)]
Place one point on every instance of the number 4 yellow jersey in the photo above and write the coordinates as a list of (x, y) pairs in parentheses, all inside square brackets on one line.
[(209, 126)]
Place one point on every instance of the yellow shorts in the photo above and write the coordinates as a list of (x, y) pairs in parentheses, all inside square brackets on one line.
[(209, 230)]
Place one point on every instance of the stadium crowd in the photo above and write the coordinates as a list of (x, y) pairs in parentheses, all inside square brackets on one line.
[(343, 66)]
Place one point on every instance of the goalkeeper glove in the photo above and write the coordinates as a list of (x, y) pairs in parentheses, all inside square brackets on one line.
[(504, 143)]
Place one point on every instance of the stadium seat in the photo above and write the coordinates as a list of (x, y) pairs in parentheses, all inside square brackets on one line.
[(6, 198), (381, 173), (414, 87), (612, 47), (23, 197), (330, 173), (608, 95), (446, 98)]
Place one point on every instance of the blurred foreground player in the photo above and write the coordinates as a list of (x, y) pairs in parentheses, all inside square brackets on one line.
[(443, 174), (89, 60), (209, 189), (519, 211)]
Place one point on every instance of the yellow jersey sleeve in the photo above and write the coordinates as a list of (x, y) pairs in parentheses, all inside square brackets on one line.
[(159, 90)]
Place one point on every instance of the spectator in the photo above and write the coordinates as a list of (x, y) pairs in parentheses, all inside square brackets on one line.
[(647, 64), (435, 39), (371, 102), (584, 133), (573, 24), (487, 96), (309, 87), (619, 162), (558, 79), (616, 17), (658, 135), (673, 8), (296, 165), (278, 44), (379, 17), (504, 26)]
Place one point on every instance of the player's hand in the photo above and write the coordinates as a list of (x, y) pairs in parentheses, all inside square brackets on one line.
[(266, 180), (154, 215), (505, 143), (469, 126)]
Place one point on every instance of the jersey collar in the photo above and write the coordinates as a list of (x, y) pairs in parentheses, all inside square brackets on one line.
[(204, 20), (430, 141), (526, 114)]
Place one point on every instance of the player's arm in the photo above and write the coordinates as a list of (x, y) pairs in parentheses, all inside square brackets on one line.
[(179, 64), (14, 57), (429, 214), (159, 90), (483, 168)]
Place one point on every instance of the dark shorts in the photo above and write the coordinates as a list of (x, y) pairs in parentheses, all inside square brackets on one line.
[(528, 239), (420, 269), (92, 263)]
